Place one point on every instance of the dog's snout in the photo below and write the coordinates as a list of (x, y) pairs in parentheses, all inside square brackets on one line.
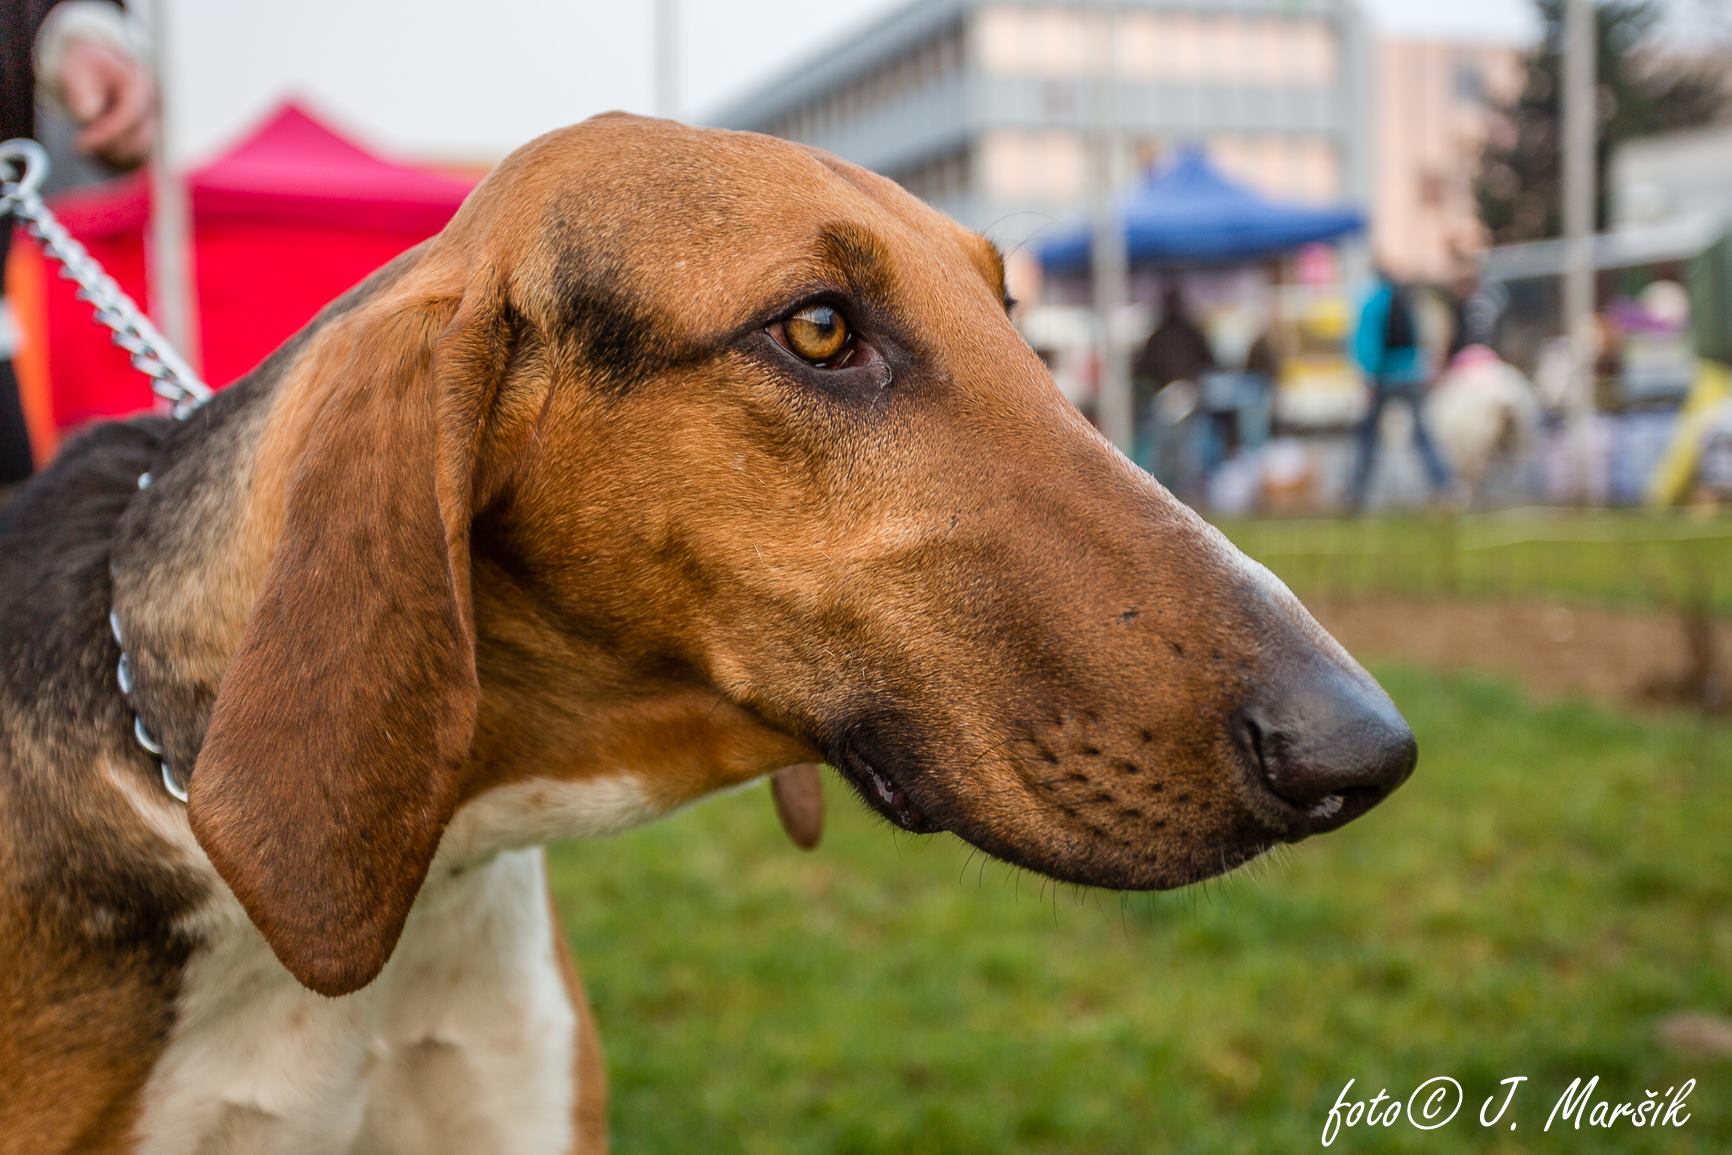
[(1329, 745)]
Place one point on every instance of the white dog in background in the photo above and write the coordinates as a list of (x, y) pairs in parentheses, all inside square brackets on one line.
[(1484, 415)]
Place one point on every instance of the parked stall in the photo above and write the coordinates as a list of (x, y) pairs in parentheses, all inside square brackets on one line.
[(283, 222)]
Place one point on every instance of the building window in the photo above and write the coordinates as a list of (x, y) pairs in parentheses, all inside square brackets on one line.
[(1061, 45), (1229, 44), (1231, 156), (950, 52), (1061, 167), (1004, 166), (868, 94), (1138, 48), (1313, 53), (940, 180), (998, 40), (1320, 169), (1267, 53), (1034, 168), (1186, 54)]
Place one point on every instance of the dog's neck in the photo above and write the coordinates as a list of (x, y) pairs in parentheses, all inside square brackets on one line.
[(191, 556), (190, 553)]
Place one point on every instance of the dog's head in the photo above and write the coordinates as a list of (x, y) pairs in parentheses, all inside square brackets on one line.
[(689, 455)]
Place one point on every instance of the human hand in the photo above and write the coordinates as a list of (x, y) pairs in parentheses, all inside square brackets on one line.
[(112, 100)]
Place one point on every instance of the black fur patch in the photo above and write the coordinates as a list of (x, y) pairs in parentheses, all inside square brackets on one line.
[(618, 335), (860, 260), (60, 710)]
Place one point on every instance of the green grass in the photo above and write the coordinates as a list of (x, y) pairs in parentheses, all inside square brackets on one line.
[(1619, 558), (1554, 880)]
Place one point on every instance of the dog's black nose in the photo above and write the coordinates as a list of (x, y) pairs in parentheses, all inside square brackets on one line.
[(1329, 743)]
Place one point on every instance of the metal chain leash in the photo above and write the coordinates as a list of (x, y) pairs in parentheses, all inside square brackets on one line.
[(23, 167)]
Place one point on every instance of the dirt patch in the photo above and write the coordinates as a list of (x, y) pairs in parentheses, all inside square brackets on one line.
[(1555, 650)]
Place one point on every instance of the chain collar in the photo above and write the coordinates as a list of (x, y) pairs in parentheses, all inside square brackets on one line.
[(23, 167)]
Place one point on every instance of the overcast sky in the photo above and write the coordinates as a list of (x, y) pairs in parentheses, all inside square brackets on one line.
[(464, 80)]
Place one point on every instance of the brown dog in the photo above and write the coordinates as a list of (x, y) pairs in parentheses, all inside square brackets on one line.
[(679, 457)]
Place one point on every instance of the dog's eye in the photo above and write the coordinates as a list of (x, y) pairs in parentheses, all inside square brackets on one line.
[(817, 334)]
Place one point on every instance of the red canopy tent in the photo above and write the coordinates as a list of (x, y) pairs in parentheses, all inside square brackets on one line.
[(282, 223)]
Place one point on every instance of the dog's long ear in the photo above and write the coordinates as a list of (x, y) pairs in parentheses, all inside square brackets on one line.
[(330, 767)]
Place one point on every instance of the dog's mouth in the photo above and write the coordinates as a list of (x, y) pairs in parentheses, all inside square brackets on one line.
[(880, 770), (883, 793)]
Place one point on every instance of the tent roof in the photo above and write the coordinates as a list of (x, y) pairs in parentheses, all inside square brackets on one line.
[(290, 168), (294, 168), (1189, 213)]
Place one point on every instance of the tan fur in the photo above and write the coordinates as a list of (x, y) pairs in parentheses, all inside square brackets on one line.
[(81, 1097)]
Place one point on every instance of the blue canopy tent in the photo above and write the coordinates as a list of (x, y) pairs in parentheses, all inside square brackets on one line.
[(1190, 214)]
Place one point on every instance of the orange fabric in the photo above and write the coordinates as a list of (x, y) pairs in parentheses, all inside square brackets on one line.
[(24, 290)]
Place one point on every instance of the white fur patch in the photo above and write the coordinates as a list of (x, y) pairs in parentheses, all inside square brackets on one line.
[(466, 1042), (165, 817), (540, 810)]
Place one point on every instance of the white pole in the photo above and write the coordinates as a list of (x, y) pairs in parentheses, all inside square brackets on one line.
[(667, 58), (1358, 115), (1579, 143), (169, 246), (1113, 406)]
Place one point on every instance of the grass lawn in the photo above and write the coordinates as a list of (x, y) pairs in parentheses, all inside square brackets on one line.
[(1553, 881), (1613, 557)]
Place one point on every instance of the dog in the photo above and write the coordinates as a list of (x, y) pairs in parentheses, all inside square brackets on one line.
[(679, 457), (1486, 418)]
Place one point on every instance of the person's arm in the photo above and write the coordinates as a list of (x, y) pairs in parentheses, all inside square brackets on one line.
[(89, 61)]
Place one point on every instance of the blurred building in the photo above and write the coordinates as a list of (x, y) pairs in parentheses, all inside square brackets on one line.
[(1670, 178), (1437, 105), (986, 108)]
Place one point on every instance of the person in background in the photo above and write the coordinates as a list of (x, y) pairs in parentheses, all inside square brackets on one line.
[(1177, 350), (1387, 349), (1473, 313), (82, 56), (1262, 377)]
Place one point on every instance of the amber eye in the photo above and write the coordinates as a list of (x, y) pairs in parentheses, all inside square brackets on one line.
[(817, 334)]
